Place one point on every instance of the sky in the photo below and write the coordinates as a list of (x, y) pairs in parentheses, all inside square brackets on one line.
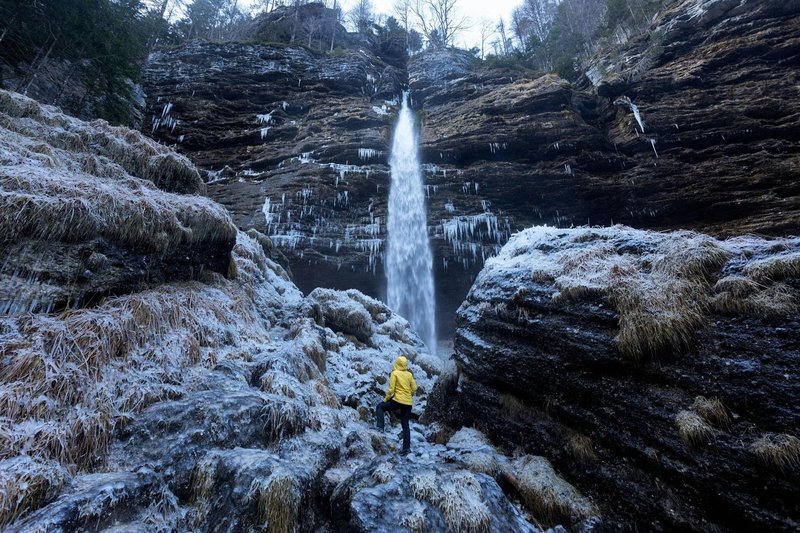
[(475, 10)]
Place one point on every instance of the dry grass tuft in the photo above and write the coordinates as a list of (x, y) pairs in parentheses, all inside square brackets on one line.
[(287, 418), (712, 410), (657, 317), (778, 449), (203, 477), (278, 501), (581, 448), (692, 428), (461, 504), (326, 395), (459, 500), (518, 410), (740, 295), (310, 340), (25, 484), (414, 520), (276, 382), (383, 473), (551, 499), (481, 462), (777, 268), (424, 486)]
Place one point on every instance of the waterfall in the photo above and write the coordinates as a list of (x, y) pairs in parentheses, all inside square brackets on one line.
[(409, 261)]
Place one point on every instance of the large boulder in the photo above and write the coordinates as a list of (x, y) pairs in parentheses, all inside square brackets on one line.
[(654, 370)]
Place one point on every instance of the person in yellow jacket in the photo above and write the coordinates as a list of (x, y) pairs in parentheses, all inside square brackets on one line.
[(401, 388)]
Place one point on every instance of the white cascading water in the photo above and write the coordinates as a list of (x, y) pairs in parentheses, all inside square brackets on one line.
[(409, 261)]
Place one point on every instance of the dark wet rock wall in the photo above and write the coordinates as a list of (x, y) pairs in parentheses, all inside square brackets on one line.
[(503, 148)]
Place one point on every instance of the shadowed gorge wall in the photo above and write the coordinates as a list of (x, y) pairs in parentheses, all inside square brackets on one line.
[(502, 148)]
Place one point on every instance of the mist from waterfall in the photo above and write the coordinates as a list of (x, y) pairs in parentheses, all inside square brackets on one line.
[(409, 261)]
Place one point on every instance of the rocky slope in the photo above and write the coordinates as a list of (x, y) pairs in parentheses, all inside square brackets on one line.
[(205, 392), (301, 139), (656, 370)]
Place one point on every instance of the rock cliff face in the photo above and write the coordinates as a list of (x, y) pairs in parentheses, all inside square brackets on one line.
[(301, 140), (656, 370), (292, 142)]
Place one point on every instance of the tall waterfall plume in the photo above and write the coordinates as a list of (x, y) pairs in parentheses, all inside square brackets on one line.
[(409, 261)]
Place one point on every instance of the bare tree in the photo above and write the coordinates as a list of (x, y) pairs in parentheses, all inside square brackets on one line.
[(296, 15), (312, 26), (402, 11), (362, 15), (505, 42), (172, 9), (487, 28), (334, 23), (439, 20)]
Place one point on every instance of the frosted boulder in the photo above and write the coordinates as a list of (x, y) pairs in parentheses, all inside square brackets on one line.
[(344, 313), (635, 362)]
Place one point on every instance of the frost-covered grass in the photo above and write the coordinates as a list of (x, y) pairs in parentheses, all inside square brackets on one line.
[(462, 506), (549, 497), (663, 285), (383, 473), (278, 500), (764, 287), (414, 519), (458, 497), (54, 204), (780, 450), (692, 428), (69, 380), (24, 482), (65, 183), (43, 135), (712, 410)]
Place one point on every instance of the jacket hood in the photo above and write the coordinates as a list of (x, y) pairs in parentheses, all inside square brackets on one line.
[(401, 363)]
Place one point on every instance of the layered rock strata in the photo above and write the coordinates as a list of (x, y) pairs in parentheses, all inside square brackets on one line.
[(657, 371), (691, 125)]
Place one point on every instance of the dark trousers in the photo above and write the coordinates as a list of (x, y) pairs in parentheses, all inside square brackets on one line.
[(405, 416)]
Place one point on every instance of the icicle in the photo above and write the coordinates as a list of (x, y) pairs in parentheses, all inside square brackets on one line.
[(653, 144)]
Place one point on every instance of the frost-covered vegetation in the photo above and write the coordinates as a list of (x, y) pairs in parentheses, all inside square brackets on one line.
[(90, 209), (664, 286)]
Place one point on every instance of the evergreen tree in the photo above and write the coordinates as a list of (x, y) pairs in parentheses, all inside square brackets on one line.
[(104, 40)]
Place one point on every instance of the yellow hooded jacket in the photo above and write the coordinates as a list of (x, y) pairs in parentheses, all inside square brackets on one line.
[(401, 383)]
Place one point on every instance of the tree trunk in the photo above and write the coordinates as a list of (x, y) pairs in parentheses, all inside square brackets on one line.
[(333, 26), (8, 26), (41, 64), (296, 17)]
